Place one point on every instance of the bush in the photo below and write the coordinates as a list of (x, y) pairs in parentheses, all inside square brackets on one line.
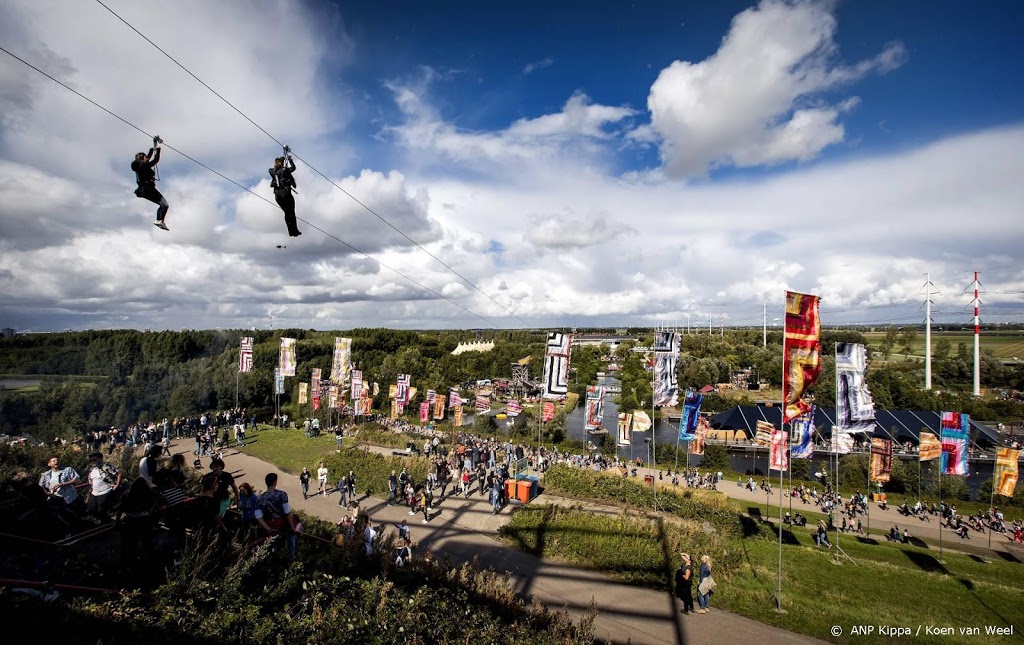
[(372, 470), (715, 458)]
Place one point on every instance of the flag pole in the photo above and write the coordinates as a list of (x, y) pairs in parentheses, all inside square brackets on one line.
[(778, 590)]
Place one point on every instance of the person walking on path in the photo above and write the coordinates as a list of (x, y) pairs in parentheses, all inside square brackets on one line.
[(321, 478), (704, 585), (304, 478), (684, 583)]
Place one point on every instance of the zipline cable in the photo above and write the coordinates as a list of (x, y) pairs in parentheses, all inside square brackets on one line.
[(312, 167), (245, 188)]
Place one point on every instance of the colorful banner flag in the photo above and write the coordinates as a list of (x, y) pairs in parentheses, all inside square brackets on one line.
[(801, 355), (625, 419), (514, 406), (641, 422), (458, 415), (431, 397), (547, 412), (856, 408), (595, 407), (803, 435), (930, 446), (424, 412), (454, 398), (332, 397), (367, 401), (1005, 475), (376, 389), (764, 434), (881, 460), (394, 409), (483, 402), (357, 384), (303, 393), (700, 436), (341, 361), (841, 443), (287, 357), (778, 455), (245, 354), (955, 434), (666, 356), (439, 408), (690, 417), (314, 381), (278, 381), (556, 365), (402, 394)]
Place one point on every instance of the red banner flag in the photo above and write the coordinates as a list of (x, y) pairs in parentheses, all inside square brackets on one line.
[(801, 354)]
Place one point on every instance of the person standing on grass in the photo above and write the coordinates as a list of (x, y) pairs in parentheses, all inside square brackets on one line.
[(704, 585), (684, 583), (321, 478)]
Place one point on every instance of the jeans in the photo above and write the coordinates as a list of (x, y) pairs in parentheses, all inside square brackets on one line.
[(150, 193), (703, 599), (287, 203)]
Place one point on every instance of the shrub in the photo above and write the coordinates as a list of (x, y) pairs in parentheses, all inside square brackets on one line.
[(715, 458), (372, 470)]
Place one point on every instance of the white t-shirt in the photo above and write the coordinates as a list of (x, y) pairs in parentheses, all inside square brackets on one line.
[(321, 473), (98, 484)]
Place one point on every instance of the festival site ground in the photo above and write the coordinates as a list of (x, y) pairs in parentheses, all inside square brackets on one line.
[(591, 538)]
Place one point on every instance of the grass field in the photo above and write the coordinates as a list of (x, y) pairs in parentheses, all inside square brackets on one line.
[(1005, 345), (288, 449)]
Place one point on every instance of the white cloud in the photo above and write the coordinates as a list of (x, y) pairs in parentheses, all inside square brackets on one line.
[(530, 68), (758, 100)]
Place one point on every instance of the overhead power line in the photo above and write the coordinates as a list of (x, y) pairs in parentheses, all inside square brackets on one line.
[(313, 168), (245, 188)]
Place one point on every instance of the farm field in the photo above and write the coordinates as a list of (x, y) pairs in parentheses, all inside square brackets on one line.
[(1005, 345)]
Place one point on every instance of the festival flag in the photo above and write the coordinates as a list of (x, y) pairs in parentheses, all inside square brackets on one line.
[(803, 433), (595, 407), (458, 415), (778, 456), (439, 408), (930, 446), (402, 394), (376, 389), (454, 398), (314, 387), (641, 422), (856, 408), (357, 384), (548, 412), (394, 409), (666, 356), (367, 401), (424, 412), (278, 381), (764, 434), (1005, 475), (556, 365), (245, 354), (483, 402), (841, 443), (700, 436), (801, 355), (332, 397), (625, 419), (303, 393), (287, 357), (881, 460), (955, 433), (341, 360), (514, 406), (431, 397), (690, 417), (392, 391)]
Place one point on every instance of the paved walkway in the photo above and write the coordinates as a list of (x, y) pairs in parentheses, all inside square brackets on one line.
[(464, 530)]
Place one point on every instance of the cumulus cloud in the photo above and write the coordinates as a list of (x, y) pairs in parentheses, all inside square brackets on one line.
[(759, 99)]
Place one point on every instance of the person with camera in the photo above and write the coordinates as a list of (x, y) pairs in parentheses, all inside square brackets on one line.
[(283, 183), (146, 178), (104, 481)]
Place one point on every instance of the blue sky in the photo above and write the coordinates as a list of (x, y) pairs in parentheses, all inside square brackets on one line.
[(572, 163)]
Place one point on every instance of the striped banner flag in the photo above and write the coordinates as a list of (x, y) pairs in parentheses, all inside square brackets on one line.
[(483, 403), (424, 412), (431, 396), (514, 407), (455, 398), (314, 381), (245, 355), (801, 357), (778, 457), (357, 384), (402, 389), (548, 411)]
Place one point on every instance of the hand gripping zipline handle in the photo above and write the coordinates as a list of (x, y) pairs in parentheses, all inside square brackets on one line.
[(157, 140), (287, 151)]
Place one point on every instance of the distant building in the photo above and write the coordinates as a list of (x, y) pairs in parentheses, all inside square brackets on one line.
[(8, 332), (473, 347)]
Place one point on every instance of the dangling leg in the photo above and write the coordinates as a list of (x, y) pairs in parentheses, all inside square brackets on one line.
[(287, 203), (153, 195)]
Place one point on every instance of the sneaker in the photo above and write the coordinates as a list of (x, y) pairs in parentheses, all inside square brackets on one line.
[(160, 224), (424, 521), (412, 512)]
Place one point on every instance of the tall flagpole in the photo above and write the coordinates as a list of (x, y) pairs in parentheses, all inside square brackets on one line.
[(778, 591)]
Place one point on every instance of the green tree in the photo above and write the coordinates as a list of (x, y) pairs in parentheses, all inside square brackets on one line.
[(942, 349), (715, 457)]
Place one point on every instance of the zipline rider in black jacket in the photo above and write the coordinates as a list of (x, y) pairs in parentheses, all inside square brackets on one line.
[(145, 176), (283, 183)]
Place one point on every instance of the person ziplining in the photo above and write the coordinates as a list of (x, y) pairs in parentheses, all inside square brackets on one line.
[(283, 183), (146, 178)]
